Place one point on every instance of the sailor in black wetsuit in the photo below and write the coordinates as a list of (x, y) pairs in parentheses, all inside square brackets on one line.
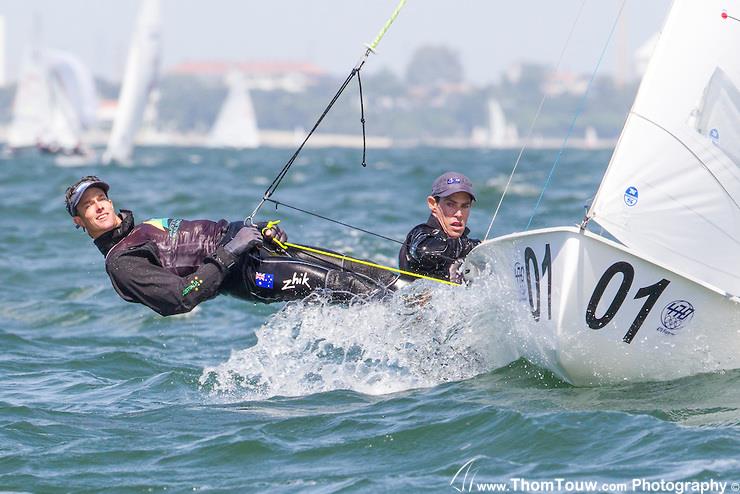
[(172, 265), (437, 248)]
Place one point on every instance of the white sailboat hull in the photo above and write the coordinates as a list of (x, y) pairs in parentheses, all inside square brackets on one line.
[(594, 312)]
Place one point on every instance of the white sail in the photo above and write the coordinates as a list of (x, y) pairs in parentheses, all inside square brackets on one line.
[(141, 73), (236, 124), (55, 101), (672, 189), (73, 101), (78, 85), (500, 133), (496, 124), (31, 104), (63, 130)]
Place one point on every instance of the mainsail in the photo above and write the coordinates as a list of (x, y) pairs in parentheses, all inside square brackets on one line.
[(236, 124), (142, 70), (672, 189)]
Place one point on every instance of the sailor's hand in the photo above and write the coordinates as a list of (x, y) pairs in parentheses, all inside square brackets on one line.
[(456, 275), (246, 239), (275, 233)]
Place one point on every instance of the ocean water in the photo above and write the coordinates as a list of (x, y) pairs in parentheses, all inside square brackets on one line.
[(98, 395)]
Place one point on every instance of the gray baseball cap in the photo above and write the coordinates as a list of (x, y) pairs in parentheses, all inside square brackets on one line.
[(451, 182), (74, 193)]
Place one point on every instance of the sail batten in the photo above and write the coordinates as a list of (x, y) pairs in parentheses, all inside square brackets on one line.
[(672, 188)]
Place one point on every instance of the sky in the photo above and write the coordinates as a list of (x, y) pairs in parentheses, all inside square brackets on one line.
[(489, 35)]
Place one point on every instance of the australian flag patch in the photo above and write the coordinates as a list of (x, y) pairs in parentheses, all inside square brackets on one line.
[(264, 280)]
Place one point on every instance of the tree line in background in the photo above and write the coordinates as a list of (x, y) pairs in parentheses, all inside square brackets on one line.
[(431, 100)]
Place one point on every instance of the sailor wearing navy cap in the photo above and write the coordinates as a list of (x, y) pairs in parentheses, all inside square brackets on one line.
[(436, 248)]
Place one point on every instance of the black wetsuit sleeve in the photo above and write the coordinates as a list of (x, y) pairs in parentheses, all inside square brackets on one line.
[(433, 250), (137, 277)]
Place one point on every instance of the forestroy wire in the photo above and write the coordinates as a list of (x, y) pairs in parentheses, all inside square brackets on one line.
[(581, 107), (534, 121), (370, 48)]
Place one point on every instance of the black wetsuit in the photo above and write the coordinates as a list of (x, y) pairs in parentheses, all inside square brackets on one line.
[(172, 265), (429, 251)]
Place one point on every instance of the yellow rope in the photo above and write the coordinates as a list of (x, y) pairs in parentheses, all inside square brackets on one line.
[(284, 245)]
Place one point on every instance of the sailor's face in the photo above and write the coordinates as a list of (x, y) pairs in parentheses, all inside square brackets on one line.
[(452, 212), (95, 213)]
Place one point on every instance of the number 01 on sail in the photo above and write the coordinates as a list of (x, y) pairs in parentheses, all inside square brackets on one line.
[(662, 301)]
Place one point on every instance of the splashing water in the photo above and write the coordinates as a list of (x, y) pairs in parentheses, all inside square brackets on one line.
[(421, 336)]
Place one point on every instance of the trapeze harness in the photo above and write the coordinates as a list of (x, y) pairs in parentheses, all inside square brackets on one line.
[(183, 247), (272, 275)]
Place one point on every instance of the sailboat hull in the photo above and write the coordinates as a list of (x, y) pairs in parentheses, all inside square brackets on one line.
[(594, 312)]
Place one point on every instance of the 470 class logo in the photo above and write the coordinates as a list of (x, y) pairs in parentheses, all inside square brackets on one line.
[(675, 316)]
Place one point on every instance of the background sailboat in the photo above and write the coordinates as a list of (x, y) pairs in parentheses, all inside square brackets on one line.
[(500, 132), (142, 69), (73, 104), (663, 302), (31, 104), (54, 104), (236, 124)]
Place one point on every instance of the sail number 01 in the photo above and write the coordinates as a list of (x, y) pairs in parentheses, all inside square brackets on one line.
[(650, 293), (532, 268)]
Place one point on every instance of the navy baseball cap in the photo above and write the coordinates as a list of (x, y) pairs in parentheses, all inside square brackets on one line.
[(74, 192), (451, 182)]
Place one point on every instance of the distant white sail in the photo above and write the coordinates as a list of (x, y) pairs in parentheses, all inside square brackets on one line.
[(63, 130), (500, 133), (590, 137), (78, 84), (32, 103), (73, 102), (56, 100), (672, 189), (142, 70), (236, 124), (496, 124)]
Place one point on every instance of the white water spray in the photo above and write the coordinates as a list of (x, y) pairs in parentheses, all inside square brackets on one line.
[(421, 336)]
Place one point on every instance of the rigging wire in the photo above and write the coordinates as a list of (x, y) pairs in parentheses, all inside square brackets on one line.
[(534, 121), (311, 213), (362, 120), (341, 223), (281, 175), (355, 72), (582, 106)]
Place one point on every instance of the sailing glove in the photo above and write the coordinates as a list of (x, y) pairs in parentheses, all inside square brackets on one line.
[(246, 239)]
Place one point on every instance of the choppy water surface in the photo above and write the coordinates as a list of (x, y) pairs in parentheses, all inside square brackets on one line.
[(100, 395)]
